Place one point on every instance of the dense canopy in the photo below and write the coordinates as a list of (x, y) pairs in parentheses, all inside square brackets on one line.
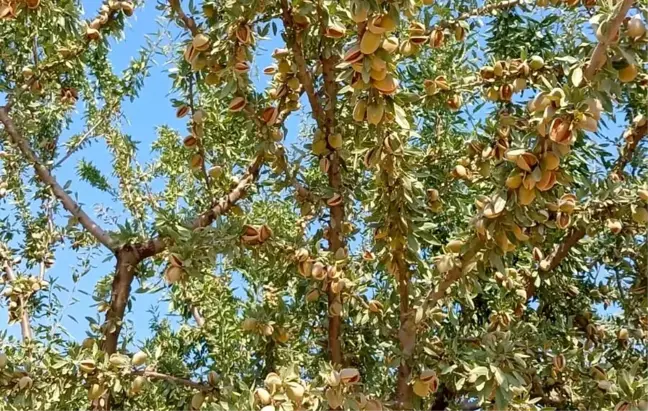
[(418, 205)]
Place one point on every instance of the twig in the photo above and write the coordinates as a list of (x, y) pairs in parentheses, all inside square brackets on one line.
[(85, 136), (46, 177), (481, 11), (200, 321), (201, 148)]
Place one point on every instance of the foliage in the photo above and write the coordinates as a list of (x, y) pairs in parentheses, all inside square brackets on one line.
[(441, 231)]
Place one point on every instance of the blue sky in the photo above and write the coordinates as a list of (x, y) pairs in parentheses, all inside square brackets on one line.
[(150, 110)]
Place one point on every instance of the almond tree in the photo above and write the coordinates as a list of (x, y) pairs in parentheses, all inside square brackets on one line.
[(443, 231)]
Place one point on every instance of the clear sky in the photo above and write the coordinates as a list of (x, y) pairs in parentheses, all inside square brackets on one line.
[(150, 110)]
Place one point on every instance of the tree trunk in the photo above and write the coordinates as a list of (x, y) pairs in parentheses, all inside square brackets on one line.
[(406, 334), (335, 242)]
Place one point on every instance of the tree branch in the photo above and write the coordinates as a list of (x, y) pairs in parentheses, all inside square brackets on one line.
[(303, 73), (189, 23), (637, 131), (437, 293), (47, 178), (599, 55), (220, 207)]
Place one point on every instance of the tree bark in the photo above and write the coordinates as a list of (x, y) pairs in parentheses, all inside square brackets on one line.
[(406, 334), (127, 260)]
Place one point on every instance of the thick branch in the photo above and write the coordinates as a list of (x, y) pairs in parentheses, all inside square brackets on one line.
[(220, 207), (599, 55), (127, 261), (435, 294), (189, 23), (46, 177), (303, 73), (406, 334), (554, 259), (25, 329)]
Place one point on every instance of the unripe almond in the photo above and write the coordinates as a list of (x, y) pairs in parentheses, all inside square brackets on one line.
[(643, 194), (359, 11), (173, 274), (182, 111), (514, 180), (526, 196), (334, 398), (87, 366), (237, 104), (249, 324), (197, 400), (550, 161), (375, 113), (636, 27), (628, 73), (559, 362), (295, 392), (95, 391), (454, 246), (623, 334), (421, 389), (536, 63), (196, 161), (25, 382), (312, 296), (262, 396), (614, 225), (375, 306), (138, 384), (437, 38), (390, 44), (4, 360), (349, 376), (640, 214), (370, 42), (200, 42), (139, 358), (335, 140), (360, 110)]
